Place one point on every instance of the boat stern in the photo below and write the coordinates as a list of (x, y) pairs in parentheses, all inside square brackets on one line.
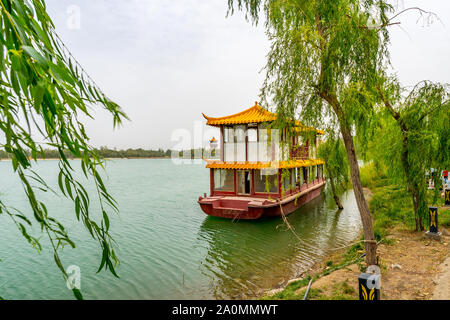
[(232, 207)]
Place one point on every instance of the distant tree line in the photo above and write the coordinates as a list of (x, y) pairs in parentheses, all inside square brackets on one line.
[(113, 153)]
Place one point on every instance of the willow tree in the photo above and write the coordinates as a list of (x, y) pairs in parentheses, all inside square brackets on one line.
[(333, 152), (324, 59), (415, 136), (43, 93)]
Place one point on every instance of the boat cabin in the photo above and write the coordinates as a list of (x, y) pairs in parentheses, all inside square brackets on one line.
[(259, 161)]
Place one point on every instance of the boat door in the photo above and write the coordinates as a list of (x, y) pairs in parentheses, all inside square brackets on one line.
[(243, 182)]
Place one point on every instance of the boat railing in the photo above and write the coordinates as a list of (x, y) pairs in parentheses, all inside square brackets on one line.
[(305, 186)]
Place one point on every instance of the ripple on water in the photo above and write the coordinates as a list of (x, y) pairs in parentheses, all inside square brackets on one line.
[(168, 248)]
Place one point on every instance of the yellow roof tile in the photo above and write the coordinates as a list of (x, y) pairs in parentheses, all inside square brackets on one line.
[(255, 114)]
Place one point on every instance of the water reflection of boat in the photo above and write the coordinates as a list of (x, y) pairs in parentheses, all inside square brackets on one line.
[(247, 258), (262, 173)]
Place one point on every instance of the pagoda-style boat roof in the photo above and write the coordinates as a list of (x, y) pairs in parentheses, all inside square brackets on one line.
[(249, 165), (255, 114)]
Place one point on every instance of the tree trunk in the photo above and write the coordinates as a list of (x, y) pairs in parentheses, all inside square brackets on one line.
[(416, 208), (366, 217), (370, 243), (333, 188)]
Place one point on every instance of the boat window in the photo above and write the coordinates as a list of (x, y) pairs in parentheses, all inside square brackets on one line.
[(266, 181), (243, 181), (263, 132), (223, 180), (252, 145), (229, 151), (228, 135), (228, 144), (252, 134), (240, 132), (268, 138)]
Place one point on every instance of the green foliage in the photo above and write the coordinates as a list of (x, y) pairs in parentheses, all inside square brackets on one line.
[(354, 251), (319, 50), (43, 93), (444, 217), (340, 291), (411, 135), (333, 152), (313, 294), (325, 59), (372, 175), (391, 204)]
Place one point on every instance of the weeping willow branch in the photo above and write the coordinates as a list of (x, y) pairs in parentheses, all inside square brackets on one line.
[(41, 80)]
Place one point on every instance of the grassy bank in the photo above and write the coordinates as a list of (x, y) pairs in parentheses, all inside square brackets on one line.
[(391, 205), (392, 210), (295, 290)]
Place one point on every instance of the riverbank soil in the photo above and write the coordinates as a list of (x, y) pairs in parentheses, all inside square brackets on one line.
[(442, 281), (412, 268)]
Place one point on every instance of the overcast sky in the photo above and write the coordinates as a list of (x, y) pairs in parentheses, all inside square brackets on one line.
[(166, 62)]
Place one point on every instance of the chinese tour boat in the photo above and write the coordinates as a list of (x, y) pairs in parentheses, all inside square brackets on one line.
[(259, 173)]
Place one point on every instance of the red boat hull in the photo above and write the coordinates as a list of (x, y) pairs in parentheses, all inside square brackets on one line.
[(233, 207)]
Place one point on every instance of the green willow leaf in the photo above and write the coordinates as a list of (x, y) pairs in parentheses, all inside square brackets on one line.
[(77, 207), (44, 88), (106, 219), (77, 294), (58, 263), (105, 255), (31, 52), (60, 182), (68, 187)]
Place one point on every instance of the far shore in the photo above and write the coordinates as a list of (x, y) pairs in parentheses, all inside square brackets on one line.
[(125, 158)]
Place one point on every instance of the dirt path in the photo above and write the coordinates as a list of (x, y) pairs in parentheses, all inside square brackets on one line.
[(412, 268), (442, 290)]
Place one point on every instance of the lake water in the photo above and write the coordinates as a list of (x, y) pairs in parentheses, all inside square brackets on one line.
[(169, 249)]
